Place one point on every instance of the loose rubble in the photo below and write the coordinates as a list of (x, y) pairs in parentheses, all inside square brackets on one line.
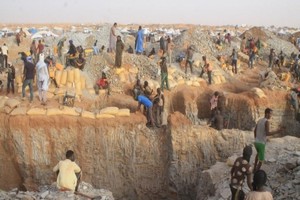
[(51, 192)]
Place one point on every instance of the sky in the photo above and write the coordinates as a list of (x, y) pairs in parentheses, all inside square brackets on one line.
[(202, 12)]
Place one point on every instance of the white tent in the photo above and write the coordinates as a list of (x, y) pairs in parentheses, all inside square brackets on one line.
[(36, 36), (42, 34)]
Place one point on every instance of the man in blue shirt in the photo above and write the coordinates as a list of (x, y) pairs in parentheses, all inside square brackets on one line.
[(148, 105)]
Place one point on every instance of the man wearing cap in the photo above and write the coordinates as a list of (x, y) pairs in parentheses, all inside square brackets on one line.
[(261, 131), (241, 169)]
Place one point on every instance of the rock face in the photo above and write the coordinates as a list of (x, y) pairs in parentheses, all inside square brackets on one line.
[(127, 158), (195, 149)]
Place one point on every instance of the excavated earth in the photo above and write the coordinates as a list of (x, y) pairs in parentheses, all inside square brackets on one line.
[(132, 161)]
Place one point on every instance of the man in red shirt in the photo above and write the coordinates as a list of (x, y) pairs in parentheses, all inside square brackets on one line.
[(102, 83)]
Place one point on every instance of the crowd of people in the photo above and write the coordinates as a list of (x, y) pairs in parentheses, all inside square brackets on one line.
[(152, 100)]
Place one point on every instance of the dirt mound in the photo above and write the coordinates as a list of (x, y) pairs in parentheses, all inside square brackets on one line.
[(297, 34), (256, 32)]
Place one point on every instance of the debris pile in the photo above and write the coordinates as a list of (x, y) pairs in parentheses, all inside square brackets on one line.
[(85, 191), (270, 80)]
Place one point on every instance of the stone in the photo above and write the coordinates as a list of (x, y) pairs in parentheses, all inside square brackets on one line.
[(291, 164), (297, 153), (226, 193), (272, 160), (44, 194), (230, 161)]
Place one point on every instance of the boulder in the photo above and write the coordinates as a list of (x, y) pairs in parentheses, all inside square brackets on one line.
[(258, 92)]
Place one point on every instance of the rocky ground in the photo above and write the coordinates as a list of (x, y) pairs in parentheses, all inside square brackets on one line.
[(85, 191)]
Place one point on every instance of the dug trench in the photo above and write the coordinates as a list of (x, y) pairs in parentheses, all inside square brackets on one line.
[(126, 157)]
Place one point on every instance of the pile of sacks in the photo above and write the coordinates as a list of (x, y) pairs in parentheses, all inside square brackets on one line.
[(12, 107), (127, 75), (71, 78)]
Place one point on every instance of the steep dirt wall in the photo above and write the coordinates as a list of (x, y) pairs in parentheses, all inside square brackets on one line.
[(195, 148), (121, 155)]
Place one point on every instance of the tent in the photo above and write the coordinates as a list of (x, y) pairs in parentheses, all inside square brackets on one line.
[(32, 30), (42, 34)]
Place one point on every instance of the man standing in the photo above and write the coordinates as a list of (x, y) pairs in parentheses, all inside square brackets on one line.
[(189, 59), (10, 78), (241, 169), (251, 58), (5, 53), (60, 46), (69, 173), (271, 58), (158, 106), (234, 61), (119, 51), (148, 105), (42, 79), (28, 76), (40, 49), (113, 38), (162, 44), (169, 47), (33, 50), (164, 73), (261, 131), (206, 68), (139, 41)]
